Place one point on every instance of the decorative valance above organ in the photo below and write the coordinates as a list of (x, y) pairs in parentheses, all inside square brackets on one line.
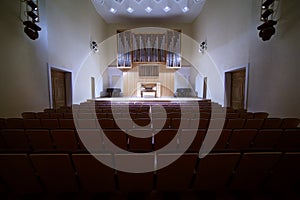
[(162, 48)]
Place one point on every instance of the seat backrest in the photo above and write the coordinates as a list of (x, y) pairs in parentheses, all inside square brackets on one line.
[(253, 170), (234, 123), (186, 136), (107, 123), (86, 123), (29, 115), (56, 172), (91, 140), (18, 174), (166, 137), (270, 123), (246, 115), (114, 137), (223, 139), (32, 123), (267, 139), (42, 115), (242, 138), (56, 115), (2, 123), (182, 123), (40, 139), (285, 176), (215, 170), (290, 123), (64, 139), (93, 175), (124, 123), (16, 140), (157, 123), (178, 175), (289, 140), (253, 123), (50, 123), (66, 123), (14, 123), (260, 115), (135, 182)]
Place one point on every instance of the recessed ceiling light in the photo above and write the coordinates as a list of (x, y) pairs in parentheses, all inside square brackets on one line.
[(130, 10), (148, 9), (197, 1), (138, 1), (119, 1), (157, 1), (112, 10), (101, 2), (167, 9), (185, 9)]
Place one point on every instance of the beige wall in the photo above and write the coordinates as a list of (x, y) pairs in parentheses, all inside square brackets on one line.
[(70, 30), (230, 29), (68, 26), (23, 71), (275, 65)]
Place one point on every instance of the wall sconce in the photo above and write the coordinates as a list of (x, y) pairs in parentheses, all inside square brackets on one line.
[(268, 8), (32, 16), (202, 47), (94, 46)]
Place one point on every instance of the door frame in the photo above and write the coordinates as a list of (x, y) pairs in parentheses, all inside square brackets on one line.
[(68, 81), (227, 84)]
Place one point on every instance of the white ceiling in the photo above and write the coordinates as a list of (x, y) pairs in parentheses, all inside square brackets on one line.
[(157, 14)]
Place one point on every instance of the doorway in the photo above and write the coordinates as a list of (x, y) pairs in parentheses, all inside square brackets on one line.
[(93, 87), (236, 89), (204, 88), (61, 88)]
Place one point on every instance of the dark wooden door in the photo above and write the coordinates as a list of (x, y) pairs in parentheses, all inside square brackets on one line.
[(58, 88), (238, 89)]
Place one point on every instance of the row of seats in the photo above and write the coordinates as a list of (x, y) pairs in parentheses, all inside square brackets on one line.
[(155, 123), (63, 173), (138, 114), (20, 140)]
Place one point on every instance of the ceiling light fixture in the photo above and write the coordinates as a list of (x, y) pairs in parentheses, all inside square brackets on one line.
[(100, 2), (119, 1), (112, 10), (266, 30), (167, 9), (266, 4), (266, 14), (185, 9), (197, 1), (130, 10), (31, 29), (148, 9), (33, 16), (202, 47), (32, 5)]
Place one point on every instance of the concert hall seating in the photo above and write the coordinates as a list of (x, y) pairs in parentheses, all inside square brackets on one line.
[(48, 150)]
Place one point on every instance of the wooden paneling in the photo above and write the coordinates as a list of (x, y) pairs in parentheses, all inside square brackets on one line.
[(166, 79), (238, 89), (58, 88)]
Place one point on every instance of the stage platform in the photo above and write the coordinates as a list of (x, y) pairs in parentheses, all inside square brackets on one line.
[(152, 99)]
